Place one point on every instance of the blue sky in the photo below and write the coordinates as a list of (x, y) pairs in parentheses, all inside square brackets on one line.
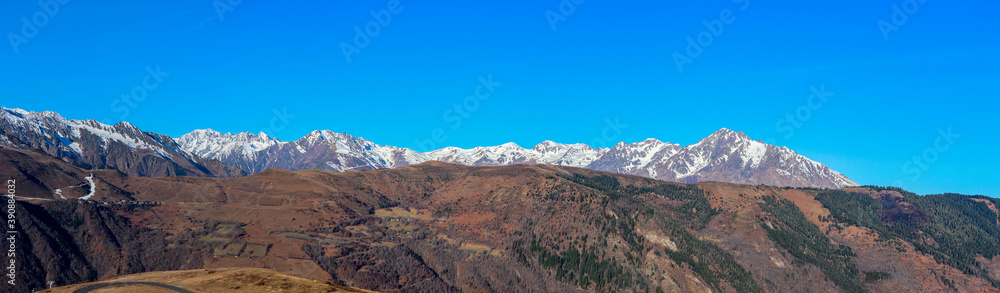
[(883, 99)]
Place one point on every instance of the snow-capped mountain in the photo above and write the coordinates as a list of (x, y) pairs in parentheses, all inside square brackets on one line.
[(323, 150), (240, 150), (635, 158), (90, 144), (723, 156), (731, 156), (547, 152)]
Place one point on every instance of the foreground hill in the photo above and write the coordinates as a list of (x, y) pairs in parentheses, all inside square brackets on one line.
[(442, 227), (214, 280)]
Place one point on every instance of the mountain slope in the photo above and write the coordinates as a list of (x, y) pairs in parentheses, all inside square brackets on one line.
[(438, 227), (92, 145), (723, 156)]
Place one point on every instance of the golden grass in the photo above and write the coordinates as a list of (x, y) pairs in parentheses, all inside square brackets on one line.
[(474, 247), (404, 213), (254, 250), (220, 280)]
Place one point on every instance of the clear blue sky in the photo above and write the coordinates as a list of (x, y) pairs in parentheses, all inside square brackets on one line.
[(605, 59)]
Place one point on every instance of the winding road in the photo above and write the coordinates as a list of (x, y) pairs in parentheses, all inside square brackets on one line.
[(105, 285)]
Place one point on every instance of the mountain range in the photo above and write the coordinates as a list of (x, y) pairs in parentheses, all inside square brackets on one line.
[(725, 155)]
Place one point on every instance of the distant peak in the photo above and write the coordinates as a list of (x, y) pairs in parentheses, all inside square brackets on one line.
[(726, 132), (204, 132), (330, 135), (545, 145), (510, 145), (317, 134)]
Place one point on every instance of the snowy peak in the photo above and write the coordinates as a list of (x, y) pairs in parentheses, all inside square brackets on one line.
[(634, 158), (505, 154), (547, 146), (546, 152), (211, 143), (731, 156)]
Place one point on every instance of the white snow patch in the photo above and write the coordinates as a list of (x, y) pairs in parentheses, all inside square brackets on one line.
[(93, 186), (753, 153), (76, 147)]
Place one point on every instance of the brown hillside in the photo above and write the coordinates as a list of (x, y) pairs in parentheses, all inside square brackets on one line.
[(445, 228)]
